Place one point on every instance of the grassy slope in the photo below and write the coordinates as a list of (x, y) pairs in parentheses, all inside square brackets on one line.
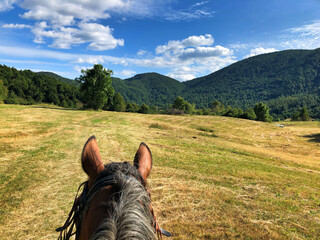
[(213, 177)]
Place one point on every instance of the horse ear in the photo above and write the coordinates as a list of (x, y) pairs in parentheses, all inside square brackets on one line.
[(143, 161), (91, 159)]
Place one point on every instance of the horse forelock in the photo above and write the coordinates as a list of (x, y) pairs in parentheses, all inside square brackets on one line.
[(129, 214)]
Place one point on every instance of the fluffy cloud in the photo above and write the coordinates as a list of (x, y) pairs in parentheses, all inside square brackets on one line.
[(6, 4), (192, 56), (192, 41), (99, 36), (71, 22), (204, 52), (260, 50), (65, 12), (193, 47)]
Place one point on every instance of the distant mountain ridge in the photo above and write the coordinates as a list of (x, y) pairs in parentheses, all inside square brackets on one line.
[(150, 88), (285, 80)]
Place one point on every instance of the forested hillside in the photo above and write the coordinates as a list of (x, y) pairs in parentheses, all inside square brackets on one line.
[(27, 87), (285, 81), (150, 88)]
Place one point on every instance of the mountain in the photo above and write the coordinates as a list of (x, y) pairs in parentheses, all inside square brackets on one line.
[(150, 88), (285, 80), (259, 78)]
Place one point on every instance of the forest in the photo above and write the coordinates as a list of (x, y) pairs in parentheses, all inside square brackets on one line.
[(27, 87), (285, 81)]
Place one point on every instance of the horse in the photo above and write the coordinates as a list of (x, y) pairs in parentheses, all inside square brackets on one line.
[(115, 202)]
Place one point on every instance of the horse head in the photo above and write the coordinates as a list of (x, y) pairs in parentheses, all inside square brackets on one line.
[(115, 202)]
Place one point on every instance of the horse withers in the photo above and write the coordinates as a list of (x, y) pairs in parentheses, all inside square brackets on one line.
[(114, 203)]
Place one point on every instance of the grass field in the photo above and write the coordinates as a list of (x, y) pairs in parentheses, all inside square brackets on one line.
[(213, 177)]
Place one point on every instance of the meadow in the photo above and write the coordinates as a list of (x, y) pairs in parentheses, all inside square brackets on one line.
[(213, 177)]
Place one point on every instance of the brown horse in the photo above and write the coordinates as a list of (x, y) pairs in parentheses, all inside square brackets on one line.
[(114, 203)]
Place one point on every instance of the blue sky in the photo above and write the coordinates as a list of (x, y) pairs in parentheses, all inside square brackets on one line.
[(181, 39)]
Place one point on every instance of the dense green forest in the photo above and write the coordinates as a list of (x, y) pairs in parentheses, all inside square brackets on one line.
[(150, 88), (285, 81), (27, 87)]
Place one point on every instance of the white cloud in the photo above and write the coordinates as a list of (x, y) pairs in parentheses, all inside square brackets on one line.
[(260, 50), (6, 4), (98, 36), (204, 52), (192, 56), (181, 77), (19, 26), (65, 12), (192, 41), (303, 37), (91, 60), (72, 22), (199, 4), (127, 73), (312, 29), (141, 52)]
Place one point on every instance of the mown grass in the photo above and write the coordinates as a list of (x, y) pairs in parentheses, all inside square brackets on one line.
[(213, 177)]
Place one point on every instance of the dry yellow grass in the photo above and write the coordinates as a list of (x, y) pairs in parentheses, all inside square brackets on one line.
[(213, 177)]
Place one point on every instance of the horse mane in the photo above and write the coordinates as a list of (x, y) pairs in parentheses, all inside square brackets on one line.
[(129, 210)]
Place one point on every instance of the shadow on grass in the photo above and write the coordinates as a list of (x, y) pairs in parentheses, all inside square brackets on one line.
[(313, 137)]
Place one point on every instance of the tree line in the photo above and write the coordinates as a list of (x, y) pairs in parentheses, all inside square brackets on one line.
[(27, 87), (96, 92)]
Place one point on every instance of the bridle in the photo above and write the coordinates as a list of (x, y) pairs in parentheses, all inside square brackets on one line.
[(82, 201)]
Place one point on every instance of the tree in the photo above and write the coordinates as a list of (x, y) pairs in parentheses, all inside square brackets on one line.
[(132, 107), (181, 104), (217, 107), (144, 109), (249, 114), (262, 112), (301, 115), (119, 104), (96, 87)]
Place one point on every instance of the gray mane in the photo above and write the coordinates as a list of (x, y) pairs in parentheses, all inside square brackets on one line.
[(130, 216)]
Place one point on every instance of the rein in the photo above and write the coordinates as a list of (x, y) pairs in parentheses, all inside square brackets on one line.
[(80, 203)]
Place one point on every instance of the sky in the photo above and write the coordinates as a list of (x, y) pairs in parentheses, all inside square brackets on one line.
[(182, 39)]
